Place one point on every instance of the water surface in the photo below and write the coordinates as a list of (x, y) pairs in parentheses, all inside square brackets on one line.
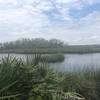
[(71, 62)]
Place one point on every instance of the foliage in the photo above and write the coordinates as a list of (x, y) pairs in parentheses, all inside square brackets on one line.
[(40, 45), (34, 80), (15, 78), (32, 43), (52, 58), (85, 82), (28, 80)]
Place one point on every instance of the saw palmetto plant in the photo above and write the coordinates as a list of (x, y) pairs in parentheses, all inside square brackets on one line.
[(32, 79)]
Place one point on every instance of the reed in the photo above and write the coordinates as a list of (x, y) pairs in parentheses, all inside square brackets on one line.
[(53, 58), (34, 80)]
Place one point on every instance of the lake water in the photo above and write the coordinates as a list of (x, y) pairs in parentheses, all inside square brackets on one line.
[(71, 62)]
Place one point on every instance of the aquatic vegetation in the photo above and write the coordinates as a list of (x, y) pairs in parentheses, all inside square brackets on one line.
[(85, 82), (53, 58)]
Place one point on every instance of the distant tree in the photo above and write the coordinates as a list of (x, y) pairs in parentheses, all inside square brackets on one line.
[(32, 43), (56, 42)]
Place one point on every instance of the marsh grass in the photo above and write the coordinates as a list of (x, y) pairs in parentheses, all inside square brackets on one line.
[(53, 58), (34, 80), (20, 78), (84, 81)]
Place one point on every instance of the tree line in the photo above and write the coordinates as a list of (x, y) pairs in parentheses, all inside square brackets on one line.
[(32, 43)]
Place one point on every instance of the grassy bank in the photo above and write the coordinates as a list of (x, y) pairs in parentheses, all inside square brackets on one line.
[(39, 45), (34, 80), (53, 58), (48, 58), (86, 82), (68, 49)]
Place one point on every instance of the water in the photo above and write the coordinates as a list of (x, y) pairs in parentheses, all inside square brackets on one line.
[(78, 62), (71, 62)]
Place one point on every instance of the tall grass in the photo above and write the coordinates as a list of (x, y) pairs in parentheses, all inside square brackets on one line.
[(28, 79), (53, 58), (85, 82), (34, 80)]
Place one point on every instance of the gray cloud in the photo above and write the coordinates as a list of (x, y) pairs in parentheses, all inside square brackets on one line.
[(26, 18)]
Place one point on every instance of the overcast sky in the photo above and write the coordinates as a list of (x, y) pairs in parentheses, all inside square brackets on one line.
[(74, 21)]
